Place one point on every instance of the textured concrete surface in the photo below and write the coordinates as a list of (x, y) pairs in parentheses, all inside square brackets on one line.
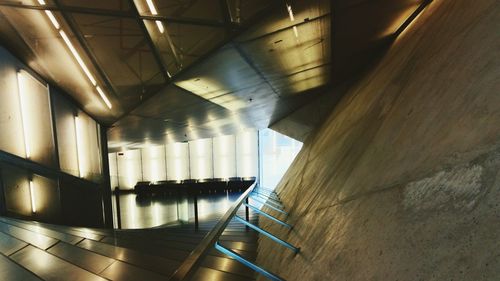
[(402, 181)]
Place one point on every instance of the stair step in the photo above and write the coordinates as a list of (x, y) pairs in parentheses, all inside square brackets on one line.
[(87, 260), (10, 270), (51, 268), (153, 263), (47, 232), (9, 244), (36, 239)]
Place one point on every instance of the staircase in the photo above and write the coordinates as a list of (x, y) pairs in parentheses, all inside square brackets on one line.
[(38, 251)]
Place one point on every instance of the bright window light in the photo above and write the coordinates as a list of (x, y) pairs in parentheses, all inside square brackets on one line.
[(24, 112), (104, 97), (159, 24), (52, 19), (32, 195), (290, 12), (77, 57), (41, 2), (79, 148)]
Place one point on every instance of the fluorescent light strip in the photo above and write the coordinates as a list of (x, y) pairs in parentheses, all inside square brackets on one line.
[(152, 7), (295, 31), (77, 57), (56, 24), (32, 195), (104, 97), (24, 114), (154, 12), (52, 19), (290, 12), (78, 146), (159, 24)]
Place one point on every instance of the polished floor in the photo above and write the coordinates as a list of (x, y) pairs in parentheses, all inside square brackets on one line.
[(157, 210)]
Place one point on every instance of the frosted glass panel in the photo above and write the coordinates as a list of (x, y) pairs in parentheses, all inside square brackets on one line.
[(66, 140), (177, 161), (200, 155), (154, 163), (247, 154), (10, 109), (224, 157), (113, 170), (36, 120), (129, 168)]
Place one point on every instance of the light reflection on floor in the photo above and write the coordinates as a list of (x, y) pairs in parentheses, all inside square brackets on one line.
[(152, 211)]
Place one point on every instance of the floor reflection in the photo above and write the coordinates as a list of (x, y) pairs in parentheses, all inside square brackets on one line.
[(151, 211)]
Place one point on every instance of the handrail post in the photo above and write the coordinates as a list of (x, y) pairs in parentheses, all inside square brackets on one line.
[(255, 209), (118, 211), (268, 234), (196, 211), (247, 213), (244, 261)]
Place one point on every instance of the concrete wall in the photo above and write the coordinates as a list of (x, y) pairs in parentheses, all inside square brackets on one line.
[(402, 181)]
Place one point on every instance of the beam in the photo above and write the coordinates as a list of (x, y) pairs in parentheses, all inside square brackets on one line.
[(111, 13)]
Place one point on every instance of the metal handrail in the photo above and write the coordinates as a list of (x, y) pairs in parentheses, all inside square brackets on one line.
[(188, 266)]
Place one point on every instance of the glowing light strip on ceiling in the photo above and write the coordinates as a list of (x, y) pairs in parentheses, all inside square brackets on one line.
[(154, 12), (292, 19), (75, 54)]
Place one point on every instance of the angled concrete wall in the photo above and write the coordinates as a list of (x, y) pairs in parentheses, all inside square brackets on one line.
[(402, 181)]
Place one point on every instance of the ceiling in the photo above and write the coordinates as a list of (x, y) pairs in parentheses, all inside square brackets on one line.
[(218, 67)]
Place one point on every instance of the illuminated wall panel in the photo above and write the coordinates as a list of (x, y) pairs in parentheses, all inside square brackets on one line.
[(247, 154), (129, 168), (36, 119), (154, 163), (200, 157), (10, 109), (177, 161), (88, 147), (224, 157), (44, 194), (66, 139)]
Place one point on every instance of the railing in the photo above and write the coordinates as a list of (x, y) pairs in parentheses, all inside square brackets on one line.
[(261, 195)]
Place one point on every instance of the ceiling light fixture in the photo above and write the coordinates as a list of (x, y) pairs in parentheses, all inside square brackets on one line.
[(290, 12), (75, 54), (152, 7), (154, 12), (52, 19), (104, 98), (77, 57)]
